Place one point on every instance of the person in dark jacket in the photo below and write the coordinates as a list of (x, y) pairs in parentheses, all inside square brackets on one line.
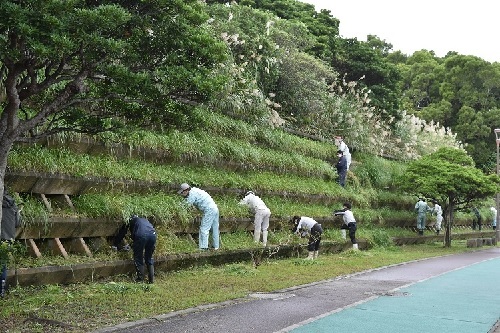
[(477, 220), (11, 220), (143, 236), (341, 168)]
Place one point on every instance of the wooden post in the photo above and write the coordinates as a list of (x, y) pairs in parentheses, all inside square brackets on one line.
[(33, 249), (57, 247)]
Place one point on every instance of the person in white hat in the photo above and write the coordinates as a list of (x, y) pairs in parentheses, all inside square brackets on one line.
[(261, 217), (210, 219)]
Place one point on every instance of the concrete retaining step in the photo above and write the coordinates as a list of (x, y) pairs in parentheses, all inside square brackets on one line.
[(98, 270)]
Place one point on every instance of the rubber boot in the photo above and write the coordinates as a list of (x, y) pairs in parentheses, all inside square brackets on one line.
[(310, 256), (140, 274), (256, 236), (264, 237), (343, 233), (151, 273), (355, 246), (316, 254)]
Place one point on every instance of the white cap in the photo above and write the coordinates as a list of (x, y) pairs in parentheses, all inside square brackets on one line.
[(184, 186)]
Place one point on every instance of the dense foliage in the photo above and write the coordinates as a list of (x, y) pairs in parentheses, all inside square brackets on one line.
[(450, 176), (90, 67)]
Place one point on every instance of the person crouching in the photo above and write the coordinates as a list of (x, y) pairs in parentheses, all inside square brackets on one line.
[(303, 225), (143, 236)]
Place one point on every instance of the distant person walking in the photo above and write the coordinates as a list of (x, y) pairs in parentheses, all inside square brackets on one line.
[(143, 235), (341, 145), (303, 225), (349, 223), (439, 215), (421, 208), (261, 215), (477, 220), (494, 220), (341, 168), (210, 219)]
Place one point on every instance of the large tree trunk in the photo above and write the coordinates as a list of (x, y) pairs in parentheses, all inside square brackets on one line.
[(449, 222), (9, 127)]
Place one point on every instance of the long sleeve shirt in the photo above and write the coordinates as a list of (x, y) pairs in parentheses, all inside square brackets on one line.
[(253, 202), (201, 200), (306, 223), (138, 227), (344, 148), (437, 210), (347, 216), (476, 213), (421, 207)]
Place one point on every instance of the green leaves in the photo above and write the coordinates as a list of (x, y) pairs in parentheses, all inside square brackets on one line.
[(450, 177)]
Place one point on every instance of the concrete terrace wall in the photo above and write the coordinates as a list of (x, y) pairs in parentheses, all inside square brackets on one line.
[(83, 235), (98, 270)]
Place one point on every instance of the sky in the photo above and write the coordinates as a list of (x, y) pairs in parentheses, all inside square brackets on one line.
[(465, 26)]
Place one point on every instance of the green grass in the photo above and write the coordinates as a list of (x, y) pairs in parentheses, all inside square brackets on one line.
[(85, 307), (169, 243)]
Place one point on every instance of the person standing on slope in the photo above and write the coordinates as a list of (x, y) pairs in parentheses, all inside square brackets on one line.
[(341, 145)]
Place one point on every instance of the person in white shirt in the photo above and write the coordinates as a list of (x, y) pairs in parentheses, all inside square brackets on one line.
[(494, 222), (349, 223), (341, 145), (261, 216), (439, 215), (303, 225)]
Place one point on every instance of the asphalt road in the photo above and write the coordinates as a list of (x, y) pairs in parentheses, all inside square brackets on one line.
[(455, 291)]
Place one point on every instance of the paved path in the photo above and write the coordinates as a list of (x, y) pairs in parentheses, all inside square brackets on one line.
[(456, 293)]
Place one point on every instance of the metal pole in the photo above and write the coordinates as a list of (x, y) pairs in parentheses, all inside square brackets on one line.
[(497, 234)]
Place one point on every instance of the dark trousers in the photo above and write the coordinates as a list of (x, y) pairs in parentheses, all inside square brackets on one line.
[(342, 176), (3, 281), (351, 226), (3, 276), (315, 237), (143, 247), (477, 222)]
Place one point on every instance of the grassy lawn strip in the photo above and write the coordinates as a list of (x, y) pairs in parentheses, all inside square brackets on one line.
[(84, 307)]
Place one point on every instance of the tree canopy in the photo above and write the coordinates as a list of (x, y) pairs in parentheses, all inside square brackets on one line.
[(459, 92), (85, 66), (449, 175)]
